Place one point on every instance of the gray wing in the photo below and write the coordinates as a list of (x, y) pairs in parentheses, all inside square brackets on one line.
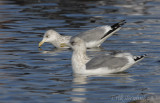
[(95, 34), (106, 61), (101, 32)]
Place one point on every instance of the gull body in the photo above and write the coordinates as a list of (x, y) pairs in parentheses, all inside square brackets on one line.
[(105, 64), (92, 38)]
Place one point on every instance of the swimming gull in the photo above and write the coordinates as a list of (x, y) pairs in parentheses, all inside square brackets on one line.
[(93, 37), (104, 64)]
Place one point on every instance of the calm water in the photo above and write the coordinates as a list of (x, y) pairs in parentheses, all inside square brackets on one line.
[(32, 75)]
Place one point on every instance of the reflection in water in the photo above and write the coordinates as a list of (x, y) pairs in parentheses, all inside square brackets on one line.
[(79, 90), (55, 51), (80, 82)]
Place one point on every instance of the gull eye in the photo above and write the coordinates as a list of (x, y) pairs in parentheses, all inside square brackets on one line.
[(72, 43), (47, 36)]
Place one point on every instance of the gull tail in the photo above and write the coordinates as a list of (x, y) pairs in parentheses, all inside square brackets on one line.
[(115, 28), (138, 58)]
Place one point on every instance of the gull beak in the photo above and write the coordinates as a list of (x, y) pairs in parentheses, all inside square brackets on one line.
[(63, 45), (41, 43)]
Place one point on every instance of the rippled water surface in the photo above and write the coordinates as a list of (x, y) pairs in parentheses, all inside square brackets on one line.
[(29, 74)]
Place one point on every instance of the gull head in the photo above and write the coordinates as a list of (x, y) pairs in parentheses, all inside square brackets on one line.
[(77, 43), (49, 37)]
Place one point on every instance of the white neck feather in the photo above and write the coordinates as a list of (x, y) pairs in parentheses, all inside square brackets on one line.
[(56, 42), (79, 59)]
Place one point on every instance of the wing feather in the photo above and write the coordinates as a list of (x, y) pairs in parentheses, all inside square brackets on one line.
[(110, 62)]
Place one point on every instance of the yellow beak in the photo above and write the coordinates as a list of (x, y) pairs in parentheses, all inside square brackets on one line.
[(41, 43)]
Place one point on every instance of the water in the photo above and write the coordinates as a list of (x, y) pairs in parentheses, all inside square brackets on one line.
[(32, 75)]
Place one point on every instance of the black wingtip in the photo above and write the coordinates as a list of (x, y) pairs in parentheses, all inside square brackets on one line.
[(136, 58), (115, 27)]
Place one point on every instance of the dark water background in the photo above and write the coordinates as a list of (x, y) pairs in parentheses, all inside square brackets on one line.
[(32, 75)]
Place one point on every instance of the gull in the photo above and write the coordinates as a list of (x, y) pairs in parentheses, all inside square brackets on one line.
[(104, 64), (93, 37)]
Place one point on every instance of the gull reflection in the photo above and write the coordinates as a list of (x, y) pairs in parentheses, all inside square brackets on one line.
[(55, 51), (79, 89), (79, 85)]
